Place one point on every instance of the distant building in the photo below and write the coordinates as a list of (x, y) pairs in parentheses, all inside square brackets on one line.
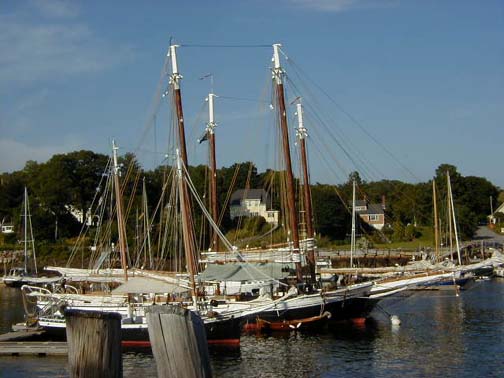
[(371, 213), (252, 203), (79, 215), (494, 218), (7, 229)]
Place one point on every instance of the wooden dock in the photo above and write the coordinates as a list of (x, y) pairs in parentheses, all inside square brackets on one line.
[(33, 348), (21, 335)]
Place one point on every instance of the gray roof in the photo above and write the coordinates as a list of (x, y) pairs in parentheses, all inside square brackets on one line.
[(373, 208), (245, 272), (360, 203), (144, 285), (242, 194)]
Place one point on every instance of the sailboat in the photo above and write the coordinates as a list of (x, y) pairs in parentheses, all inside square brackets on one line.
[(303, 303), (222, 318), (306, 304), (19, 276)]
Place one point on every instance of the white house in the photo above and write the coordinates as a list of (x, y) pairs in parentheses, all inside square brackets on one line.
[(494, 217), (7, 229), (252, 203)]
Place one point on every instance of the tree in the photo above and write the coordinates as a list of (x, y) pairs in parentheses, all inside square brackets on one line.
[(332, 218), (398, 234)]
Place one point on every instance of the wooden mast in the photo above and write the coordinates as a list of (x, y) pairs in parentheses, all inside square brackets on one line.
[(121, 229), (213, 170), (185, 203), (436, 227), (310, 234), (291, 200)]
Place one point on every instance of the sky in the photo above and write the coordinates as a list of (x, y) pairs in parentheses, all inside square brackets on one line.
[(392, 88)]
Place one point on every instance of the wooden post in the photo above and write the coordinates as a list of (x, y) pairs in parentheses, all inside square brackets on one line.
[(94, 344), (178, 341)]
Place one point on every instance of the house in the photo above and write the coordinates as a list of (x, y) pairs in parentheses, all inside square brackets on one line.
[(496, 216), (371, 213), (252, 203), (7, 229)]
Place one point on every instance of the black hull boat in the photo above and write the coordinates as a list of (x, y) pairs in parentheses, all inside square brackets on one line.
[(313, 311), (221, 332)]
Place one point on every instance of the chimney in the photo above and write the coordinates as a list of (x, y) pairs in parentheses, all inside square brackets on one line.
[(383, 204)]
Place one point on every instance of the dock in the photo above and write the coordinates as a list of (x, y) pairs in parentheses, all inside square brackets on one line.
[(23, 342), (20, 335), (33, 348)]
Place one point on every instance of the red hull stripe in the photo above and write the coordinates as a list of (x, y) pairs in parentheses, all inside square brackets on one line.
[(224, 342), (147, 344)]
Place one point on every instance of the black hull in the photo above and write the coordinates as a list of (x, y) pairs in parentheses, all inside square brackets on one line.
[(225, 332), (16, 284), (343, 310)]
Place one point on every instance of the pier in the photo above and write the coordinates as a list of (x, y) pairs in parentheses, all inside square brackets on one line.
[(33, 348)]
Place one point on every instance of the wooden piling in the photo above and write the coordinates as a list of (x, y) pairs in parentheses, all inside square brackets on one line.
[(178, 341), (94, 344)]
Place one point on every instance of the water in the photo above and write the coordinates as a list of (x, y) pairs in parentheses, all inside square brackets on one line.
[(441, 335)]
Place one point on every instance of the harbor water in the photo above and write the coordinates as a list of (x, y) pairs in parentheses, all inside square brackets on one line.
[(441, 335)]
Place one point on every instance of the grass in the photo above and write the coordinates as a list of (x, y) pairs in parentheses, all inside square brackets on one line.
[(425, 240)]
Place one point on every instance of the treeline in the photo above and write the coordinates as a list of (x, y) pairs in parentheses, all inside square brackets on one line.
[(70, 181)]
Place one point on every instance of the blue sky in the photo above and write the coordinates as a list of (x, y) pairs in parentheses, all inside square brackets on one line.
[(424, 78)]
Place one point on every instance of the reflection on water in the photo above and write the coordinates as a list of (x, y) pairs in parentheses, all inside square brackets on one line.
[(11, 308), (440, 335)]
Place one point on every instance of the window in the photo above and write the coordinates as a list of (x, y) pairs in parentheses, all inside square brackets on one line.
[(374, 217), (271, 215)]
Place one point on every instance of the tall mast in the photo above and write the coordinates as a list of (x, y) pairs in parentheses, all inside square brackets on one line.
[(121, 229), (436, 227), (25, 230), (146, 224), (185, 224), (190, 248), (453, 217), (278, 74), (310, 234), (352, 238), (213, 169)]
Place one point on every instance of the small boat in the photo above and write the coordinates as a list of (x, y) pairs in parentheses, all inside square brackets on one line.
[(290, 325)]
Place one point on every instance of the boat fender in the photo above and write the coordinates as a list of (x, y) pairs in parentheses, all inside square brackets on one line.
[(394, 319)]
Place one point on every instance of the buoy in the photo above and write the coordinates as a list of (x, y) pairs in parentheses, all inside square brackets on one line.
[(394, 319)]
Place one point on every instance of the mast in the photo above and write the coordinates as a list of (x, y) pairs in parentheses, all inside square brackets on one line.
[(187, 221), (352, 238), (28, 224), (185, 224), (291, 201), (310, 234), (213, 170), (448, 219), (453, 217), (25, 268), (436, 227), (121, 229), (146, 224)]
